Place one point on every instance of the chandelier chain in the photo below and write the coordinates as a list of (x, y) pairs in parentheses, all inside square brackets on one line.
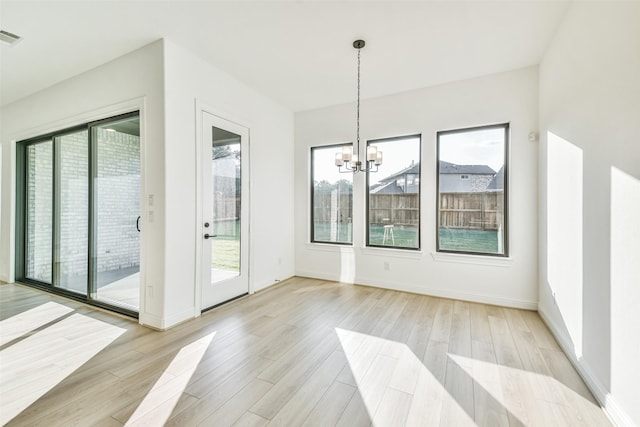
[(358, 107)]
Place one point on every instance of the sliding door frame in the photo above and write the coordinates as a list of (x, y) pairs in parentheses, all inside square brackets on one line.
[(21, 212)]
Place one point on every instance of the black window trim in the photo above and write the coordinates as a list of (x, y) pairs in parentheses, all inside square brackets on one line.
[(311, 209), (505, 244)]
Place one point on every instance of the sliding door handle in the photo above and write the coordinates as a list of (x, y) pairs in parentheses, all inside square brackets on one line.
[(138, 224)]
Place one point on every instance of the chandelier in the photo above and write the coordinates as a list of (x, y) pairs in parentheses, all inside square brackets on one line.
[(348, 160)]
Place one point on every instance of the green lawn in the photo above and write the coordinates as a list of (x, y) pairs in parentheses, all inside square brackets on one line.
[(225, 254), (226, 246), (404, 236), (454, 239), (322, 232), (459, 239)]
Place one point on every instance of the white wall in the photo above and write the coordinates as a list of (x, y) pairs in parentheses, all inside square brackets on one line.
[(589, 155), (190, 79), (133, 81), (507, 97)]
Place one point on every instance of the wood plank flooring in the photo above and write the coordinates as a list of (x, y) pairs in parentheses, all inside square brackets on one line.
[(304, 353)]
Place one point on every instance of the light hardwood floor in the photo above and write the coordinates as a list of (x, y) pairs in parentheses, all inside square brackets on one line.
[(304, 353)]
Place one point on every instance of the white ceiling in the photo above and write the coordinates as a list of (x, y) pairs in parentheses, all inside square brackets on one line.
[(298, 52)]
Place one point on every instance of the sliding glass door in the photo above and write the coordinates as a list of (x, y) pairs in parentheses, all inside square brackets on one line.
[(78, 213), (116, 213)]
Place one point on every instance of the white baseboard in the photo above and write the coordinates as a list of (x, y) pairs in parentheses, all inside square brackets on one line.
[(150, 320), (265, 285), (442, 293), (607, 402), (160, 324)]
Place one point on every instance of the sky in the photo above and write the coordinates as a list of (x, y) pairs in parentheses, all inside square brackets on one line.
[(479, 147)]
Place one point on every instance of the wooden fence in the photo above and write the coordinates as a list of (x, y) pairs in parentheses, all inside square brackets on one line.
[(322, 207), (397, 209), (480, 211)]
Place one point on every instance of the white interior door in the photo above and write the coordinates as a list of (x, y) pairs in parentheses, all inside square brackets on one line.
[(225, 215)]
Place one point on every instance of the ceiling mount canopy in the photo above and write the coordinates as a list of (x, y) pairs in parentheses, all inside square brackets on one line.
[(348, 160)]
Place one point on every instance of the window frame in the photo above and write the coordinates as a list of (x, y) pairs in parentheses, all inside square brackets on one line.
[(505, 243), (312, 195), (367, 196)]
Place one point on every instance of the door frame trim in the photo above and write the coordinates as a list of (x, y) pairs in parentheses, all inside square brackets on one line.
[(200, 109)]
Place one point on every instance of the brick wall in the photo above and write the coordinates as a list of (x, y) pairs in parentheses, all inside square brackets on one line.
[(73, 208), (39, 211), (117, 203)]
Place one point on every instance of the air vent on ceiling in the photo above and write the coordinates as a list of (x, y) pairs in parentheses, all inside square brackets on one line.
[(9, 38)]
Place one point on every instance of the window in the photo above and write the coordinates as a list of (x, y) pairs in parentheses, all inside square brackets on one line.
[(331, 197), (393, 201), (472, 190)]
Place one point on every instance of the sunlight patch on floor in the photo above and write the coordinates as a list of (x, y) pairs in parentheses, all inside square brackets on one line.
[(158, 404), (396, 387), (35, 365), (543, 392), (30, 320)]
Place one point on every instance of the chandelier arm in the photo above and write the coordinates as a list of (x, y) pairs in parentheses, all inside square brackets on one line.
[(348, 170), (368, 168)]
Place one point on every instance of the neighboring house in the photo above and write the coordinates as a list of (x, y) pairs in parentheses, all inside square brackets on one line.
[(404, 182), (497, 183), (453, 179), (464, 178)]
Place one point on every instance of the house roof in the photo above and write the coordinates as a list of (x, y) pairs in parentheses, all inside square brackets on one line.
[(497, 183), (414, 168), (387, 188), (446, 167)]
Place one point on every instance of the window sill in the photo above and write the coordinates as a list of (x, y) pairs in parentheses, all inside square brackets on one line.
[(392, 252), (328, 247), (472, 259)]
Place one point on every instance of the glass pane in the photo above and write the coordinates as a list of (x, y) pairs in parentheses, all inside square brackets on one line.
[(332, 197), (117, 212), (72, 205), (225, 167), (39, 221), (472, 190), (394, 195)]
